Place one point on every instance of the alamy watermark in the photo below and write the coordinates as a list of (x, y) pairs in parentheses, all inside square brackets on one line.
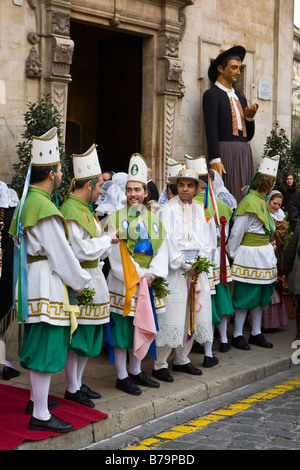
[(296, 354)]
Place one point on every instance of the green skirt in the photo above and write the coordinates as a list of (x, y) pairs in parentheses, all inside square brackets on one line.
[(45, 347), (87, 340), (122, 331), (221, 303), (249, 296)]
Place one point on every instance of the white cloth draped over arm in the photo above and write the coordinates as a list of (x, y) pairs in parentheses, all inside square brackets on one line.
[(48, 238)]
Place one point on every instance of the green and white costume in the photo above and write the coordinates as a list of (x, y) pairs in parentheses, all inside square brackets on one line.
[(89, 247), (254, 260), (51, 267)]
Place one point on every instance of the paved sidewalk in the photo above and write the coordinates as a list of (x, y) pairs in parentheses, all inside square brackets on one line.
[(236, 368)]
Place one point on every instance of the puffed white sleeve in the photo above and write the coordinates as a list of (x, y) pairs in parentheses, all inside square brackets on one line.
[(50, 238), (85, 247), (238, 230)]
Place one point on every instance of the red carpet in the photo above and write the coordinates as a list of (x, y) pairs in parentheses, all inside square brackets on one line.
[(14, 421)]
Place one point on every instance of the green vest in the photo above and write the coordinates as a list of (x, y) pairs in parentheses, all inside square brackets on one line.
[(255, 203), (75, 208), (37, 206), (126, 220)]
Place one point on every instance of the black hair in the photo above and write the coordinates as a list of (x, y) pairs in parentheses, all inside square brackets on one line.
[(40, 172)]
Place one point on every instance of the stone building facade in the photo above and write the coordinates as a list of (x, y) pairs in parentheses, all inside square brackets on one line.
[(129, 75)]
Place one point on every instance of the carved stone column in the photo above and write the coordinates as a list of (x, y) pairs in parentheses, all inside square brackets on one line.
[(60, 53), (172, 89), (51, 53)]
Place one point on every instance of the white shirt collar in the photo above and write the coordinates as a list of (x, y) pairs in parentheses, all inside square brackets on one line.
[(230, 91)]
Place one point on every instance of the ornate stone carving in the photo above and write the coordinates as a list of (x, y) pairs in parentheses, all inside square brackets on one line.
[(62, 50), (60, 23), (174, 82), (169, 128), (33, 64), (172, 46)]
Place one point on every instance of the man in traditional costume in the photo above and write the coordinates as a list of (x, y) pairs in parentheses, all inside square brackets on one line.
[(219, 215), (254, 267), (89, 248), (41, 294), (229, 122), (185, 318), (141, 257)]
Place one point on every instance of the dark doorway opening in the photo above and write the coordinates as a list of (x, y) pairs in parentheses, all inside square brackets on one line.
[(104, 97)]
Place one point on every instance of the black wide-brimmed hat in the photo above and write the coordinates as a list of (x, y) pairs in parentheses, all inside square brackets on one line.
[(235, 51)]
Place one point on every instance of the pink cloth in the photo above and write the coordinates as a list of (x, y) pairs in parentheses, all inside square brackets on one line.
[(144, 324), (198, 304)]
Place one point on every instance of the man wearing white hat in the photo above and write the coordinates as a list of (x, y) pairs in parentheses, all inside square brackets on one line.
[(142, 255), (41, 293), (188, 230), (89, 247), (254, 267)]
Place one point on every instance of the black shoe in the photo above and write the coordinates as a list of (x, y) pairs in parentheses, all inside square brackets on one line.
[(51, 404), (260, 340), (187, 368), (79, 397), (54, 424), (142, 379), (197, 348), (128, 386), (163, 374), (240, 343), (224, 347), (210, 361), (8, 373), (89, 393)]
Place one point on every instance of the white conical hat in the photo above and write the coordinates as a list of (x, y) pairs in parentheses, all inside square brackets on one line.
[(198, 164), (183, 172), (173, 167), (269, 165), (87, 165), (45, 149), (137, 170)]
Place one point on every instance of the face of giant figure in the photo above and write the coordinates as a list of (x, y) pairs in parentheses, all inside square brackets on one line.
[(231, 72)]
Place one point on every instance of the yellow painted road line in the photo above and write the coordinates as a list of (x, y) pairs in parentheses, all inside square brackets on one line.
[(202, 422)]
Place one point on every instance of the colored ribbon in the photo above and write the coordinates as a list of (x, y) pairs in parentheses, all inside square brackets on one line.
[(223, 273), (20, 257), (194, 304), (131, 277)]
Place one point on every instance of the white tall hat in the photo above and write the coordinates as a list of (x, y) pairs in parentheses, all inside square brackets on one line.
[(173, 167), (269, 165), (87, 165), (137, 170), (184, 172), (45, 149), (198, 164)]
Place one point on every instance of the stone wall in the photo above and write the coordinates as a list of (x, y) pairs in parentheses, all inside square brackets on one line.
[(180, 39)]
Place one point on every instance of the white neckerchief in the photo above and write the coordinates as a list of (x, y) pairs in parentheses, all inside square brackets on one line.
[(187, 217), (231, 94)]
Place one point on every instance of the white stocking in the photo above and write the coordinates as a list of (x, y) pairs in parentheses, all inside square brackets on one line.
[(120, 361), (239, 320), (82, 361), (208, 349), (134, 363), (40, 390), (71, 367), (256, 315), (222, 328)]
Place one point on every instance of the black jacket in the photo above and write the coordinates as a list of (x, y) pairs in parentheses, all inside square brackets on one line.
[(218, 120)]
